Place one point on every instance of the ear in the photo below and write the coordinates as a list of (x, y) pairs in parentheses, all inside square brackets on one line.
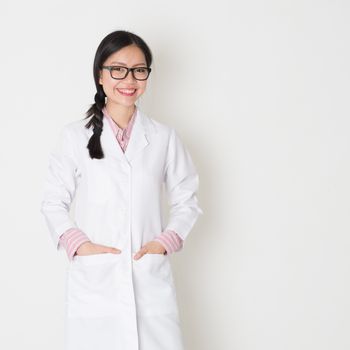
[(100, 79)]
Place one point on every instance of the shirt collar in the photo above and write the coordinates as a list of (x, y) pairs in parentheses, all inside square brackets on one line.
[(115, 127)]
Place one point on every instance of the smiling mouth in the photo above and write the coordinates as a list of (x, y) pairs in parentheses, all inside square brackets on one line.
[(127, 92)]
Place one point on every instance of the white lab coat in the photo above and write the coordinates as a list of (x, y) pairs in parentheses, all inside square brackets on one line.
[(114, 302)]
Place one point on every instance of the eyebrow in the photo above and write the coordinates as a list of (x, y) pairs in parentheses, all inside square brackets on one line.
[(138, 64)]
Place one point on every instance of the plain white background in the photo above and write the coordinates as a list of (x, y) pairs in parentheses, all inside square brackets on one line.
[(259, 92)]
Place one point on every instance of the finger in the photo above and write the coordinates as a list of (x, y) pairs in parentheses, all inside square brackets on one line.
[(106, 249), (114, 250), (140, 253)]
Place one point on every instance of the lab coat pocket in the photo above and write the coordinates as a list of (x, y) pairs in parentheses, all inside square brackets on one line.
[(93, 285), (155, 285)]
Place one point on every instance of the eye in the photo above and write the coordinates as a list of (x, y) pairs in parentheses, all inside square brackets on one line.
[(141, 70), (118, 69)]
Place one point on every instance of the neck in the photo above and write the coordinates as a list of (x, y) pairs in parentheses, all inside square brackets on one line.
[(120, 114)]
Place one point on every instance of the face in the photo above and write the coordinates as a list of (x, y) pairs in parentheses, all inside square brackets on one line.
[(121, 91)]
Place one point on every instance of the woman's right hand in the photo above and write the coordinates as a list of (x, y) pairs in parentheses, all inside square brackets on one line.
[(89, 248)]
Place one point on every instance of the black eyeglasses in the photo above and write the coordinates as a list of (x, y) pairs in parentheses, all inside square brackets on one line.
[(120, 72)]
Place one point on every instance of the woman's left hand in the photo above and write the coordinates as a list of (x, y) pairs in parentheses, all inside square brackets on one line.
[(152, 247)]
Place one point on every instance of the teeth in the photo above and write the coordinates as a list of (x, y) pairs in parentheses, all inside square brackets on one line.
[(128, 91)]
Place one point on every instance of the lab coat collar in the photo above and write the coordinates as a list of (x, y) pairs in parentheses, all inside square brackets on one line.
[(137, 142)]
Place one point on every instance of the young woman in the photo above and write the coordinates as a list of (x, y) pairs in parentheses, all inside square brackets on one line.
[(120, 292)]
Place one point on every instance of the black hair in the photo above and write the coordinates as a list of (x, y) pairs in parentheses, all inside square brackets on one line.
[(110, 44)]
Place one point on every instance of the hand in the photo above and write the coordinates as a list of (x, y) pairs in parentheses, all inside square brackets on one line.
[(89, 248), (152, 247)]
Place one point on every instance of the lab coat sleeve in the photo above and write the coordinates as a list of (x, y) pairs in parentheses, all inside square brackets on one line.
[(59, 187), (181, 184)]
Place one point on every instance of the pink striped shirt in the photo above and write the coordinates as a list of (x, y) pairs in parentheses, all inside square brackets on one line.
[(73, 238)]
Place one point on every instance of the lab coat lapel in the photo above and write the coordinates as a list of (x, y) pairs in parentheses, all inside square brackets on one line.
[(138, 137), (109, 143), (137, 142)]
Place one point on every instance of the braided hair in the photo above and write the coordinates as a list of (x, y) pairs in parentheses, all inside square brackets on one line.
[(110, 44)]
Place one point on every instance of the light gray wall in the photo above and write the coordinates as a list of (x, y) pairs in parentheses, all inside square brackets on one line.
[(259, 92)]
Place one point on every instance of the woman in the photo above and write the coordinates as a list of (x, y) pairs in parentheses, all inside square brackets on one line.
[(120, 292)]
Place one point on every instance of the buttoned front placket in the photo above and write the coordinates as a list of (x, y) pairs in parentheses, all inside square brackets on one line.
[(130, 302), (125, 173), (122, 170)]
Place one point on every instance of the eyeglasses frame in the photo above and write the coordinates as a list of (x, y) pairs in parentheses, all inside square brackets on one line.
[(127, 71)]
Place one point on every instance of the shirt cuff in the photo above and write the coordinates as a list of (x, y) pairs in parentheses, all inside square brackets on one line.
[(72, 239), (170, 240)]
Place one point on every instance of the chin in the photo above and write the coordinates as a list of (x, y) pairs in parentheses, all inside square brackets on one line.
[(124, 103)]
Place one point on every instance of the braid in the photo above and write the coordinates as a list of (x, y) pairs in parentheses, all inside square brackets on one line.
[(94, 144)]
